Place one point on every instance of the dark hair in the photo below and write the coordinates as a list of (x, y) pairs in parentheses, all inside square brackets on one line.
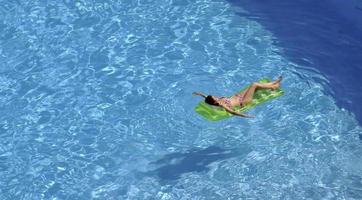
[(210, 100)]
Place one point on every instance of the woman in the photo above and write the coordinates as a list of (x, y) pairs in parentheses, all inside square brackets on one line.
[(240, 99)]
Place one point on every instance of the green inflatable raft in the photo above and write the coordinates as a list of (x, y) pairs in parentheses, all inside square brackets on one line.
[(213, 113)]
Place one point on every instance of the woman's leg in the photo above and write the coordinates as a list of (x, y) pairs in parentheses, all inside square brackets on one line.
[(247, 96)]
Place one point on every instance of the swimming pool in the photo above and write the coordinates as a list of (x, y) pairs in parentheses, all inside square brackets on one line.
[(96, 103)]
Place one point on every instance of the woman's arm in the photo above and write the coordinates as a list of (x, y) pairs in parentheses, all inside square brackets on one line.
[(229, 110), (199, 94)]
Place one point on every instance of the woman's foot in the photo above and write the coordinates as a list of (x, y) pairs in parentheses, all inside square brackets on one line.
[(276, 83), (280, 78)]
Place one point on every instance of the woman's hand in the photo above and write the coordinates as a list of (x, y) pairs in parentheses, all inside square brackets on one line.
[(231, 111)]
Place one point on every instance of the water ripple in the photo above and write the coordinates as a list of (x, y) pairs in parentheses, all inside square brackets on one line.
[(93, 93)]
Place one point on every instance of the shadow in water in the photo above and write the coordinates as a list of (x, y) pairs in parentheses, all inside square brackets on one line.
[(172, 166), (324, 35)]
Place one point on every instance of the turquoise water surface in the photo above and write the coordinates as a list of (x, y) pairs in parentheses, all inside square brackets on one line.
[(96, 104)]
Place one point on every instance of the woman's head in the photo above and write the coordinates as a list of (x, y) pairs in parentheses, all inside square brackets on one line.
[(211, 100)]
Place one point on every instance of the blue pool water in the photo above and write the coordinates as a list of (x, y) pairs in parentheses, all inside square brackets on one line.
[(96, 104), (325, 35)]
